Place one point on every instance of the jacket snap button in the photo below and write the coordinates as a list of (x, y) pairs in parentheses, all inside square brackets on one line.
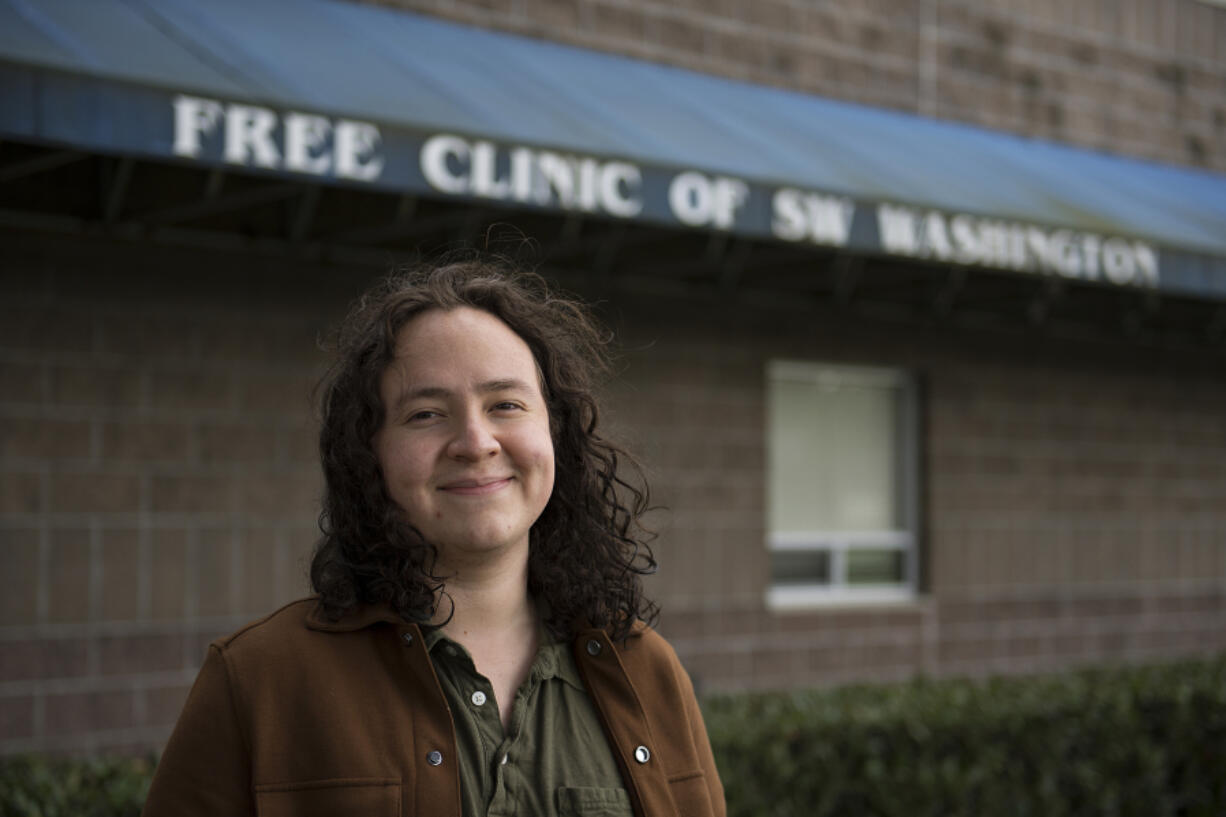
[(593, 647), (408, 639), (478, 698), (642, 755), (435, 758)]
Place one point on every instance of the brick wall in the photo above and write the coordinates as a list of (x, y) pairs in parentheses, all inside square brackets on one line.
[(158, 485), (1140, 77), (158, 476), (1075, 498)]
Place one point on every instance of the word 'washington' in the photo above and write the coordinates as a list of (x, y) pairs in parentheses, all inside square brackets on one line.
[(965, 239)]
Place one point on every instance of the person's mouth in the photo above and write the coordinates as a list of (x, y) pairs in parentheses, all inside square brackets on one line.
[(476, 486)]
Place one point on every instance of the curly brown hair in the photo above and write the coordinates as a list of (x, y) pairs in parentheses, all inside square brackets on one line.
[(588, 548)]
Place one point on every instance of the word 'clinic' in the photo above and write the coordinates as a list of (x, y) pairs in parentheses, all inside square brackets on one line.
[(307, 143)]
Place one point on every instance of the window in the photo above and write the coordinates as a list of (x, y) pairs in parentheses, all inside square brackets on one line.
[(841, 484)]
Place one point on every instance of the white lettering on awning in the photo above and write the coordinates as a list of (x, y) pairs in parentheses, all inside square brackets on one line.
[(452, 164), (801, 216), (315, 145), (698, 200), (256, 136), (967, 239)]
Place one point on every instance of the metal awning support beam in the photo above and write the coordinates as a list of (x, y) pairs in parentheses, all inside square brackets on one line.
[(943, 303), (734, 265), (572, 226), (610, 246), (213, 183), (398, 227), (304, 215), (223, 204), (1137, 310), (717, 247), (1215, 331), (39, 164), (846, 276), (116, 189), (1038, 308)]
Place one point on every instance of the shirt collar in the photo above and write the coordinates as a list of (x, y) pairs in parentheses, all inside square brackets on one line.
[(553, 659)]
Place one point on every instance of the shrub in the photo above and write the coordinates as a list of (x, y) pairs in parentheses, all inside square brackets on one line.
[(1124, 742), (1143, 741), (32, 786)]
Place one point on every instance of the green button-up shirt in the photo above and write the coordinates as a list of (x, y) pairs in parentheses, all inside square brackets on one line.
[(554, 759)]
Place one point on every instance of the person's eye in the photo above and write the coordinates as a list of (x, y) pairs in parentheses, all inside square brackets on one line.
[(507, 405), (423, 415)]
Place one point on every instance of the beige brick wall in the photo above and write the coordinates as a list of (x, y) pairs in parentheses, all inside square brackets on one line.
[(158, 485), (158, 477), (1144, 78), (1075, 498)]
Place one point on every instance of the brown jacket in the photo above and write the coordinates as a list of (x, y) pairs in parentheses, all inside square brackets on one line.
[(296, 715)]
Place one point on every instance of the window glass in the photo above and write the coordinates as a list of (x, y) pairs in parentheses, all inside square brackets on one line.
[(840, 482), (800, 566), (831, 454)]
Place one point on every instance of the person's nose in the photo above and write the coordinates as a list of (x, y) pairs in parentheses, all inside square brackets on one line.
[(474, 438)]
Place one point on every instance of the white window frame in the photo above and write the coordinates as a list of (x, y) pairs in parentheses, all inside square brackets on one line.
[(839, 543)]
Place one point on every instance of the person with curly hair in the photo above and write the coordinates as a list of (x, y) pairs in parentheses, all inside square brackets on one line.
[(479, 641)]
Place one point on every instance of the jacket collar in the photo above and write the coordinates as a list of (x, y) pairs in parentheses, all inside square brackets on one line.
[(359, 618), (365, 615)]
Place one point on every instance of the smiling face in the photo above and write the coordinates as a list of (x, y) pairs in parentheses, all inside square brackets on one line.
[(465, 446)]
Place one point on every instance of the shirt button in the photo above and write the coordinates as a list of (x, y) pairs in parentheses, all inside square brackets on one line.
[(451, 651), (478, 698), (593, 647), (435, 758), (408, 639), (642, 755), (504, 760)]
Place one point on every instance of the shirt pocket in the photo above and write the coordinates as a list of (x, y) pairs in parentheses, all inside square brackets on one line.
[(588, 801), (366, 796)]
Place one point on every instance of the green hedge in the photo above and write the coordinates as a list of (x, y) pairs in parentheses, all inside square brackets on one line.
[(1144, 741), (32, 786)]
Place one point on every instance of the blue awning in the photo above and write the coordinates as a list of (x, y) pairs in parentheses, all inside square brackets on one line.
[(359, 95)]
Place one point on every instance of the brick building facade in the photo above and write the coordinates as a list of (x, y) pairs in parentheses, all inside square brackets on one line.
[(158, 479), (1136, 77)]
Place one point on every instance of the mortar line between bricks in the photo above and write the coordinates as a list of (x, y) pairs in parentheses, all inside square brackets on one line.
[(761, 682), (101, 683), (1125, 112), (1155, 589), (796, 641), (1060, 662), (99, 629), (42, 597), (1043, 26), (164, 364), (161, 520), (891, 634), (144, 562), (96, 576), (1139, 624), (89, 741), (40, 713), (269, 420), (191, 605), (1066, 64)]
